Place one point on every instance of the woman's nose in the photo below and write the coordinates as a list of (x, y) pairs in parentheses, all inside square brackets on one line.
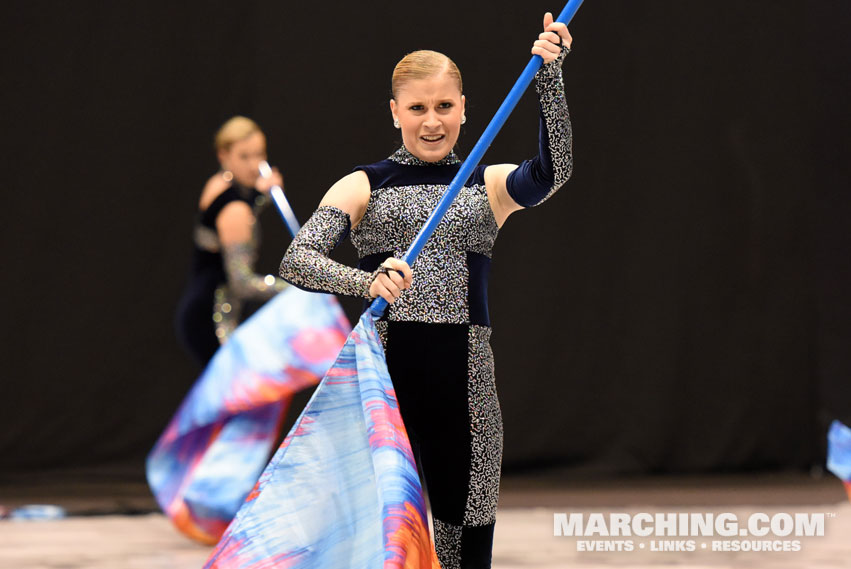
[(432, 120)]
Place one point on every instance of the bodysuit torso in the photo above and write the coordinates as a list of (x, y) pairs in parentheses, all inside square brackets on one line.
[(436, 339), (451, 272), (437, 332), (208, 311)]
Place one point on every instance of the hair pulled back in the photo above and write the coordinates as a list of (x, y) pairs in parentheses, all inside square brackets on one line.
[(423, 64), (235, 129)]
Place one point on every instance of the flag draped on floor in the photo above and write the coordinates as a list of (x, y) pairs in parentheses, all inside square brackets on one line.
[(839, 453), (214, 449), (342, 491)]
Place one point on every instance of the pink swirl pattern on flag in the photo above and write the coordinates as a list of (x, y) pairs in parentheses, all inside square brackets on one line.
[(342, 490), (214, 449)]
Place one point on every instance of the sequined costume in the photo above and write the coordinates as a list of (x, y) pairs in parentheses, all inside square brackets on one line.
[(221, 279), (436, 334)]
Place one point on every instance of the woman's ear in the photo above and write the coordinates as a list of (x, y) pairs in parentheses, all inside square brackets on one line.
[(393, 109)]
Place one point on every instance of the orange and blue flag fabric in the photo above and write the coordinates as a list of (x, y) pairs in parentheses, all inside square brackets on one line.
[(839, 453), (215, 447), (342, 491)]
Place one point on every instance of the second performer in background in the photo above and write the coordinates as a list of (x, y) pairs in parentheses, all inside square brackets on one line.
[(226, 237)]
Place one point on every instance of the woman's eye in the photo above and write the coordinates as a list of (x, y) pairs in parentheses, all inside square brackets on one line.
[(416, 107), (445, 105)]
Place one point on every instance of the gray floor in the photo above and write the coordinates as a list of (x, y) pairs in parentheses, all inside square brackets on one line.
[(524, 534)]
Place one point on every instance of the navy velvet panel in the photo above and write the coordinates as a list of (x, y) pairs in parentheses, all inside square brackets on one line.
[(477, 178), (428, 366), (477, 545), (387, 173), (533, 179), (478, 267)]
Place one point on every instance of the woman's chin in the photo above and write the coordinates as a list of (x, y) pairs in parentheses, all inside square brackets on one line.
[(247, 182), (432, 152)]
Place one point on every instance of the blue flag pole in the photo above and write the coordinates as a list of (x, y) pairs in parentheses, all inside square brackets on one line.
[(343, 489), (379, 305), (280, 200)]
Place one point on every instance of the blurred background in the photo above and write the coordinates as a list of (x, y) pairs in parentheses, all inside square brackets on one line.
[(681, 307)]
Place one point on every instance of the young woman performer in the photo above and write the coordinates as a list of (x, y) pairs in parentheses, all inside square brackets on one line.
[(226, 239), (436, 330)]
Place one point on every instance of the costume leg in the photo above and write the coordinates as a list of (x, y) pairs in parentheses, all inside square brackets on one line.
[(195, 328), (444, 380)]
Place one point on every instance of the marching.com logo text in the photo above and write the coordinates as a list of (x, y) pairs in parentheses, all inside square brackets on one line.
[(764, 527)]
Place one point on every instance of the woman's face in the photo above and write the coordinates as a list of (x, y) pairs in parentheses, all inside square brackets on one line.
[(429, 112), (243, 158)]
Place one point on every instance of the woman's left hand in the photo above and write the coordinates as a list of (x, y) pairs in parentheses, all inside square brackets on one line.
[(265, 184), (547, 44)]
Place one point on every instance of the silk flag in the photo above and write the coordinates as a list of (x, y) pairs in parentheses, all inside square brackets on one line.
[(215, 447), (839, 453), (342, 491)]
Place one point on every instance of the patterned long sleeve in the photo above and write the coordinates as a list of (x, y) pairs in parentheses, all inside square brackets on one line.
[(243, 282), (536, 180), (306, 263)]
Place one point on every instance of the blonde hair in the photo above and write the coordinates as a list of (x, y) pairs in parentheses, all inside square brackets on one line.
[(423, 64), (235, 129)]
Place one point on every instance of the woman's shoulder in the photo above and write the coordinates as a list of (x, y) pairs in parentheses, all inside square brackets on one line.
[(376, 172), (219, 194), (350, 194), (213, 189)]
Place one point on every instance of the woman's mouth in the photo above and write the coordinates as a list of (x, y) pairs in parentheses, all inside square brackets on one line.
[(432, 138)]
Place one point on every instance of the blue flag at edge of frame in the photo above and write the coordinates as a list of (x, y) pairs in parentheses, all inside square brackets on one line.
[(839, 453)]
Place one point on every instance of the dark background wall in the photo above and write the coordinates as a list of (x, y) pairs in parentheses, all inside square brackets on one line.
[(680, 306)]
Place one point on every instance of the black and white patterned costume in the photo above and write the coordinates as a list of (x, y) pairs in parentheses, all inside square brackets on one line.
[(436, 335)]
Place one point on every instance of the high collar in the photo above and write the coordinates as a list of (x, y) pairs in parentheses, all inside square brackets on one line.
[(404, 156)]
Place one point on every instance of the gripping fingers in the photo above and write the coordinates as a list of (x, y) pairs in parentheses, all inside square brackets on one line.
[(381, 290), (562, 34), (388, 283), (546, 43), (559, 28), (548, 54), (393, 276), (383, 287), (551, 36), (396, 267), (397, 279)]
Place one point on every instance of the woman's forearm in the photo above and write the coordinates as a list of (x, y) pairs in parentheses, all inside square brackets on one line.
[(536, 180), (243, 282), (306, 263)]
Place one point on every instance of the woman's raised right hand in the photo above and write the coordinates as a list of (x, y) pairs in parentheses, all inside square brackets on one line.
[(389, 283)]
